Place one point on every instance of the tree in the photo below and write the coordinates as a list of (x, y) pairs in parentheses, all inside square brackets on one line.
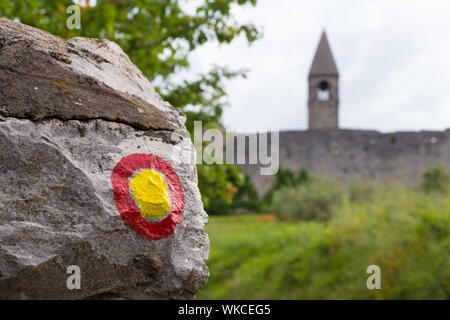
[(159, 36), (247, 197)]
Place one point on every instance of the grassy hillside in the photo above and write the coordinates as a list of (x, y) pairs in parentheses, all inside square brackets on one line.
[(405, 232)]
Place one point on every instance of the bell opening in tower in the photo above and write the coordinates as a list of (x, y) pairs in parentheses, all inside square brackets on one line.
[(323, 91)]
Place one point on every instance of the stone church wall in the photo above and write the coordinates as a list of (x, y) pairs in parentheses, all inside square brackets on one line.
[(402, 156)]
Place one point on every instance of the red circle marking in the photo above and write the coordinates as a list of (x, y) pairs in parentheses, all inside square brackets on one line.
[(130, 212)]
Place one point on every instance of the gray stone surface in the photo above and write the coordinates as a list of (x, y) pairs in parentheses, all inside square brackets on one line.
[(69, 111), (323, 114), (43, 76)]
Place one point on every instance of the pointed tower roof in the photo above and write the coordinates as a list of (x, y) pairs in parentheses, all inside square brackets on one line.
[(323, 63)]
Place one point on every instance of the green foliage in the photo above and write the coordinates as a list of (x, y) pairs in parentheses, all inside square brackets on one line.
[(315, 200), (358, 190), (159, 37), (247, 197), (405, 232), (435, 179), (218, 185)]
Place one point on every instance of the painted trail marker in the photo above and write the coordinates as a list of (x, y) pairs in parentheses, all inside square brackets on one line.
[(145, 197)]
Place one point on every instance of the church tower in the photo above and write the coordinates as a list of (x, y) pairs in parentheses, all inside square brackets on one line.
[(323, 99)]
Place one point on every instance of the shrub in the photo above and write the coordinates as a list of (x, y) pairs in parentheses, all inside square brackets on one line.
[(246, 197), (315, 200), (359, 190), (435, 179), (284, 178), (405, 232)]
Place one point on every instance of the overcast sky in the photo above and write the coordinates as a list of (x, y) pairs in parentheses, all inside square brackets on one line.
[(393, 58)]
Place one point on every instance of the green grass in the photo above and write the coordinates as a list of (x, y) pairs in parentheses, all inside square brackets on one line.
[(405, 232)]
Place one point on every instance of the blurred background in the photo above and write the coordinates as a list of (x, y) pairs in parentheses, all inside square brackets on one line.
[(230, 64)]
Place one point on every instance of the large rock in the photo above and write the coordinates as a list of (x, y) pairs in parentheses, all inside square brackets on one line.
[(69, 112)]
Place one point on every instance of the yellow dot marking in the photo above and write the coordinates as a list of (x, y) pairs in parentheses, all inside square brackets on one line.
[(150, 192)]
